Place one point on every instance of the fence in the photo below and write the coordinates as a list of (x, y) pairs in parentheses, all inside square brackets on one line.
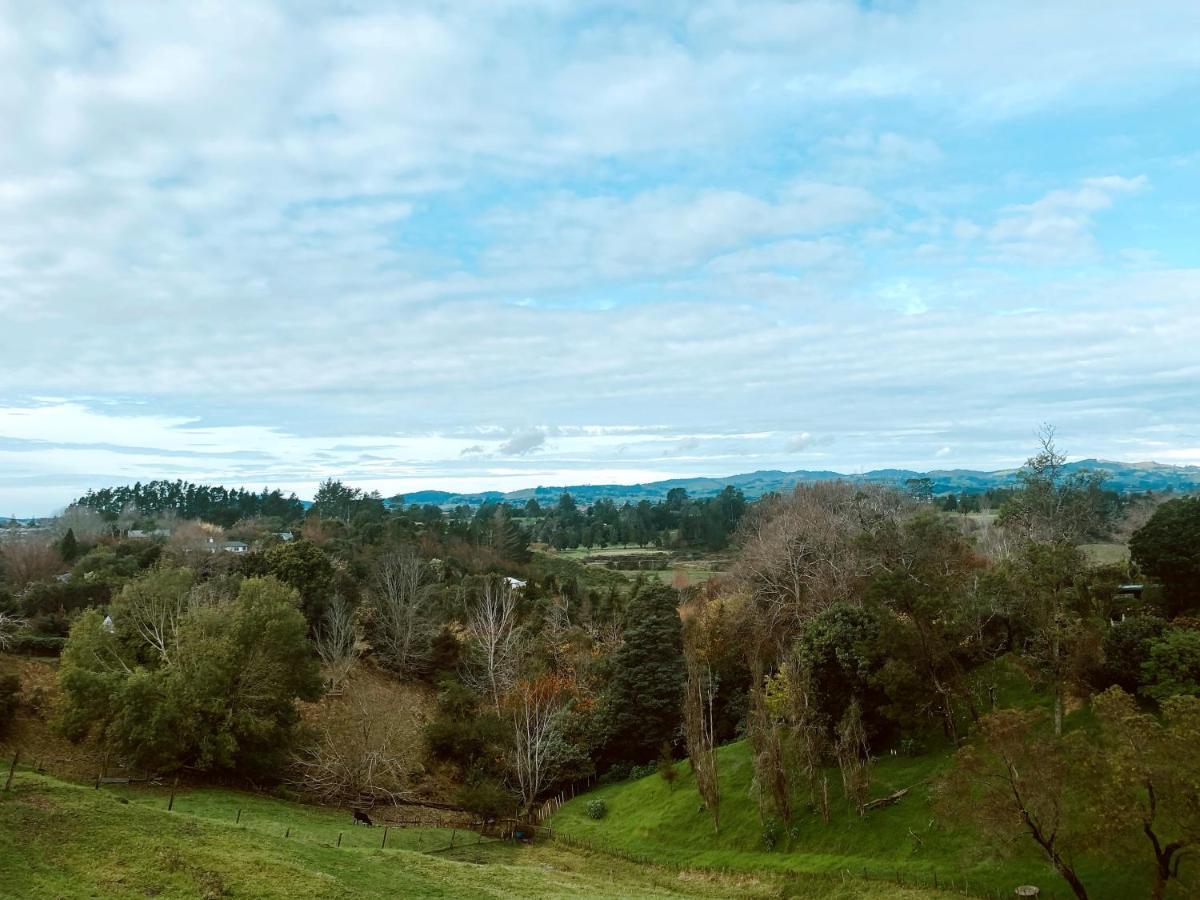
[(414, 835)]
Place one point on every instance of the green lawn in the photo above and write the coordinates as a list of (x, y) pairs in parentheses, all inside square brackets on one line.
[(64, 840), (1106, 554)]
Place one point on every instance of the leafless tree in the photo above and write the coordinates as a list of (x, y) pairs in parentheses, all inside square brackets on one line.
[(30, 559), (698, 730), (493, 642), (338, 641), (9, 626), (86, 523), (401, 596), (536, 706), (359, 752), (804, 551)]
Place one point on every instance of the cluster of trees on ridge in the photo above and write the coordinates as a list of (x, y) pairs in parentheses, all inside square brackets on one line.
[(856, 620)]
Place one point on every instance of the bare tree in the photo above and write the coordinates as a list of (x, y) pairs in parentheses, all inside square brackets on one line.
[(338, 641), (358, 754), (28, 560), (87, 524), (401, 596), (9, 626), (698, 730), (493, 642), (535, 716)]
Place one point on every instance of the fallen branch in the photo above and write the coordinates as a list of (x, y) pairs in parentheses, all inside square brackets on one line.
[(891, 798)]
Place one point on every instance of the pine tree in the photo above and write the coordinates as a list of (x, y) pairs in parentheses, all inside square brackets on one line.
[(647, 689), (69, 547)]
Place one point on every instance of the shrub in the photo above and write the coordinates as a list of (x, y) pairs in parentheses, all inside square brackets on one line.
[(643, 771), (597, 809), (486, 797), (1172, 666), (772, 831)]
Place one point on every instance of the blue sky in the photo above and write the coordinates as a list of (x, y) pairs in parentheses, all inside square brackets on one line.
[(498, 244)]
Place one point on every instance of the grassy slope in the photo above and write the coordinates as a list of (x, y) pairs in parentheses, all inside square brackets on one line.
[(59, 839), (653, 819)]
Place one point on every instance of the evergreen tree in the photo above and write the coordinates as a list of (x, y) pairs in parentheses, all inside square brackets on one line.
[(68, 546), (648, 674)]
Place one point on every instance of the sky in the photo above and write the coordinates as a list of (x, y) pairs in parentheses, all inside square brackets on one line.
[(496, 244)]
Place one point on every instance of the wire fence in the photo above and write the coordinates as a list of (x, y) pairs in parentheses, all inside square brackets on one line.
[(421, 837), (414, 835)]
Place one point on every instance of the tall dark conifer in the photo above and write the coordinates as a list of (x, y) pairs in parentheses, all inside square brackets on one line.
[(647, 688)]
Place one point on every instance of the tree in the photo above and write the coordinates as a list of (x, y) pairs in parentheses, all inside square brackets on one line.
[(361, 746), (29, 560), (645, 695), (401, 596), (9, 626), (699, 736), (1172, 665), (303, 566), (1055, 504), (1144, 780), (1167, 547), (336, 501), (493, 642), (1050, 579), (1126, 647), (225, 701), (153, 604), (68, 547), (338, 641), (1016, 777), (536, 709)]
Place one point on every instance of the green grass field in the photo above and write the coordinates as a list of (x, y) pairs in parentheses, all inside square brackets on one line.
[(64, 840), (1110, 554), (909, 840)]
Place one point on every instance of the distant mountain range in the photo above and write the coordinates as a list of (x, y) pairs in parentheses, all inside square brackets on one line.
[(1119, 476)]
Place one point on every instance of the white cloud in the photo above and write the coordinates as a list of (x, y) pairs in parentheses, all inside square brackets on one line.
[(1058, 227)]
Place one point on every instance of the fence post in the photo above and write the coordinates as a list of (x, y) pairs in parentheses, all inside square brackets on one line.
[(12, 768), (383, 843), (171, 802), (239, 817), (339, 843)]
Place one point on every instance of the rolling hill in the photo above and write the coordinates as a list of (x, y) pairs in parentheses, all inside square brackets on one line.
[(1119, 476)]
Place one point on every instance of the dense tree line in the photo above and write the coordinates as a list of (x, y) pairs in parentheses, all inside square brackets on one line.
[(208, 503), (677, 521)]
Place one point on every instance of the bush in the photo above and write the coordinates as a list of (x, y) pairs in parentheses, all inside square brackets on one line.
[(597, 809), (1172, 666), (772, 831), (486, 797)]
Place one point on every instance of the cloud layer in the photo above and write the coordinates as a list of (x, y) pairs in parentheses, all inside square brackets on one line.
[(490, 244)]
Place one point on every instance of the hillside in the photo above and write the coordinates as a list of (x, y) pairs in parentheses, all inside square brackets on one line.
[(909, 841), (1120, 476), (64, 840)]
